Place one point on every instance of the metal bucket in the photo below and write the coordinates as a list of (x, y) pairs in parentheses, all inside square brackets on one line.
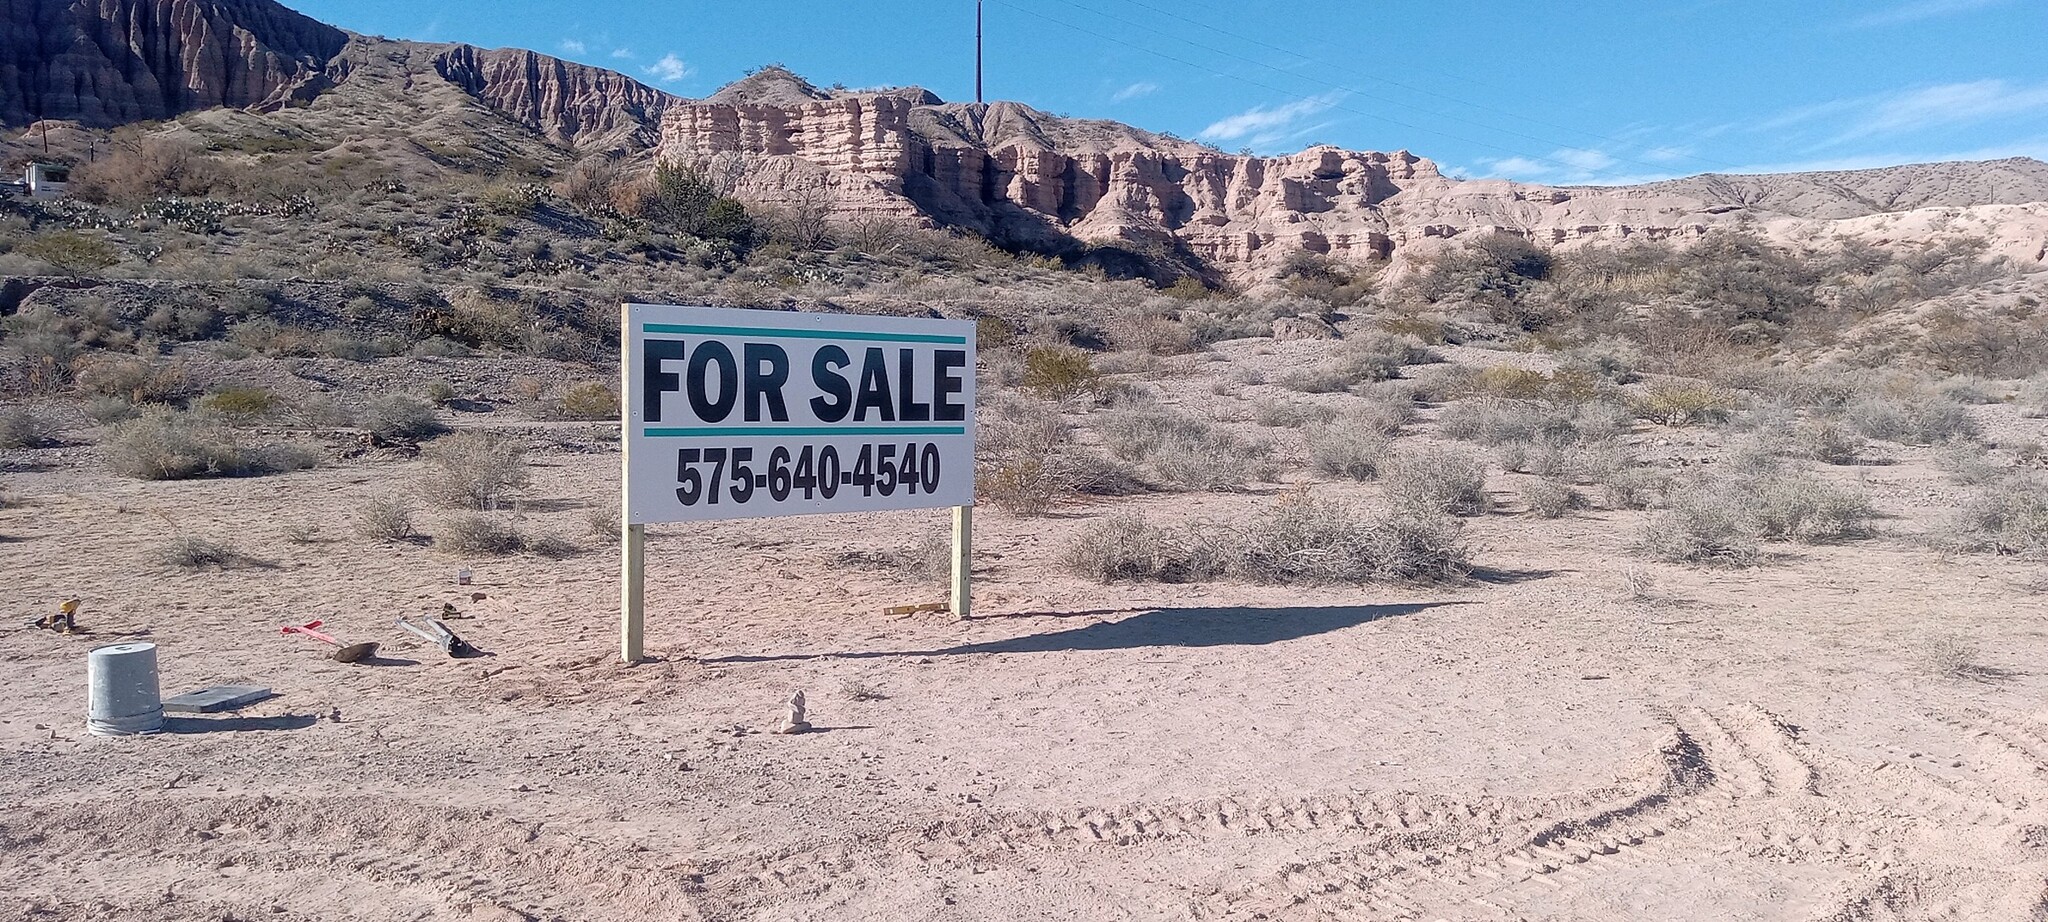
[(124, 699)]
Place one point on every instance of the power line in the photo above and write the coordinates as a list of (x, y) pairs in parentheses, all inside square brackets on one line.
[(1411, 88), (1299, 97)]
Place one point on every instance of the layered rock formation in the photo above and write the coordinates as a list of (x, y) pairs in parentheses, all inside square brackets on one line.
[(571, 104), (1026, 178), (109, 62)]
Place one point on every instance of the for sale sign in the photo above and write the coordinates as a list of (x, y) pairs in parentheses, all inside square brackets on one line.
[(736, 414)]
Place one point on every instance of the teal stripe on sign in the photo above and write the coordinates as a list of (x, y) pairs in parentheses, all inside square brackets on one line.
[(766, 431), (769, 333)]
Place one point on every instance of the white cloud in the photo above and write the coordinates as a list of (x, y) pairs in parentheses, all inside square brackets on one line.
[(1667, 154), (1922, 9), (622, 53), (573, 46), (1135, 91), (1949, 104), (1584, 161), (670, 69), (1260, 125)]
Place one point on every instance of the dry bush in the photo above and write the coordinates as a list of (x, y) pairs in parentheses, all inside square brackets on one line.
[(1290, 414), (1016, 446), (473, 470), (135, 379), (1951, 657), (168, 445), (1345, 449), (1298, 539), (132, 173), (1551, 499), (1831, 441), (186, 553), (400, 418), (22, 427), (71, 252), (2033, 396), (1376, 357), (239, 405), (1434, 479), (1671, 403), (1185, 453), (1124, 547), (589, 400), (2008, 517), (1632, 487), (473, 533), (1301, 539), (1508, 383), (1967, 463), (384, 520), (1059, 372), (928, 560), (1923, 420), (604, 525), (552, 547), (1723, 519), (1500, 421)]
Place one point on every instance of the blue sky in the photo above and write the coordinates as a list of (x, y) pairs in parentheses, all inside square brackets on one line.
[(1566, 92)]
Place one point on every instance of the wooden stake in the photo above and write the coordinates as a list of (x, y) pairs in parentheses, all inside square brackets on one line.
[(963, 561), (632, 538)]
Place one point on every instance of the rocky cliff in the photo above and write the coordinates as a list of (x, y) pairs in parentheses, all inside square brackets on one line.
[(1026, 178), (109, 62), (571, 104)]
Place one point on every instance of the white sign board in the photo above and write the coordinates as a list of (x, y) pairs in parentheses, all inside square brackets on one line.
[(739, 414)]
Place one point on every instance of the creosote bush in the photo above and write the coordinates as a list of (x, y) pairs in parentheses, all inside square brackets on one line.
[(239, 405), (1059, 372), (473, 470), (1675, 404), (1911, 421), (1184, 452), (1550, 499), (590, 400), (1351, 451)]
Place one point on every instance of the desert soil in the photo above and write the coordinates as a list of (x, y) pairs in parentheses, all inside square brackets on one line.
[(1538, 743)]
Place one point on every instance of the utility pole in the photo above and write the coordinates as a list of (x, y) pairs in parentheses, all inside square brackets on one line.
[(977, 51)]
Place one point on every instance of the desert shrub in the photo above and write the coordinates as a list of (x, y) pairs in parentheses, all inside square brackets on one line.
[(473, 533), (265, 335), (439, 392), (1059, 372), (22, 427), (1499, 421), (1611, 361), (1911, 421), (1376, 357), (604, 525), (1509, 383), (239, 405), (1831, 441), (384, 520), (590, 400), (2008, 517), (1671, 403), (1124, 547), (1632, 487), (473, 470), (928, 559), (1290, 414), (1339, 449), (71, 252), (552, 547), (1021, 486), (399, 418), (187, 553), (1968, 464), (1302, 539), (109, 410), (302, 532), (138, 380), (2033, 396), (1550, 499), (1437, 479), (1016, 446), (1723, 519), (1185, 452), (1967, 390), (168, 445)]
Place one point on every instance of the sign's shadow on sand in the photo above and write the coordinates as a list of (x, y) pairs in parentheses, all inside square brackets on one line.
[(1161, 627)]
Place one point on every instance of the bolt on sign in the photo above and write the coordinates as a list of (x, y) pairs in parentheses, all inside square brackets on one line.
[(738, 414), (735, 414)]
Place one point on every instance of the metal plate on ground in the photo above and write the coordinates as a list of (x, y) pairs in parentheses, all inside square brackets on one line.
[(217, 698)]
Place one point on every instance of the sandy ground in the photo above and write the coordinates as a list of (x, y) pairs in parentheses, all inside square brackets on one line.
[(1536, 744)]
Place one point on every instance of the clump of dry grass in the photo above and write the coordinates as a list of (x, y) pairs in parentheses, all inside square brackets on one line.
[(22, 427), (384, 520), (2008, 516), (188, 553), (400, 418), (1949, 656), (170, 445), (473, 470), (1185, 453), (1550, 499), (472, 533), (1690, 403), (1922, 420)]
